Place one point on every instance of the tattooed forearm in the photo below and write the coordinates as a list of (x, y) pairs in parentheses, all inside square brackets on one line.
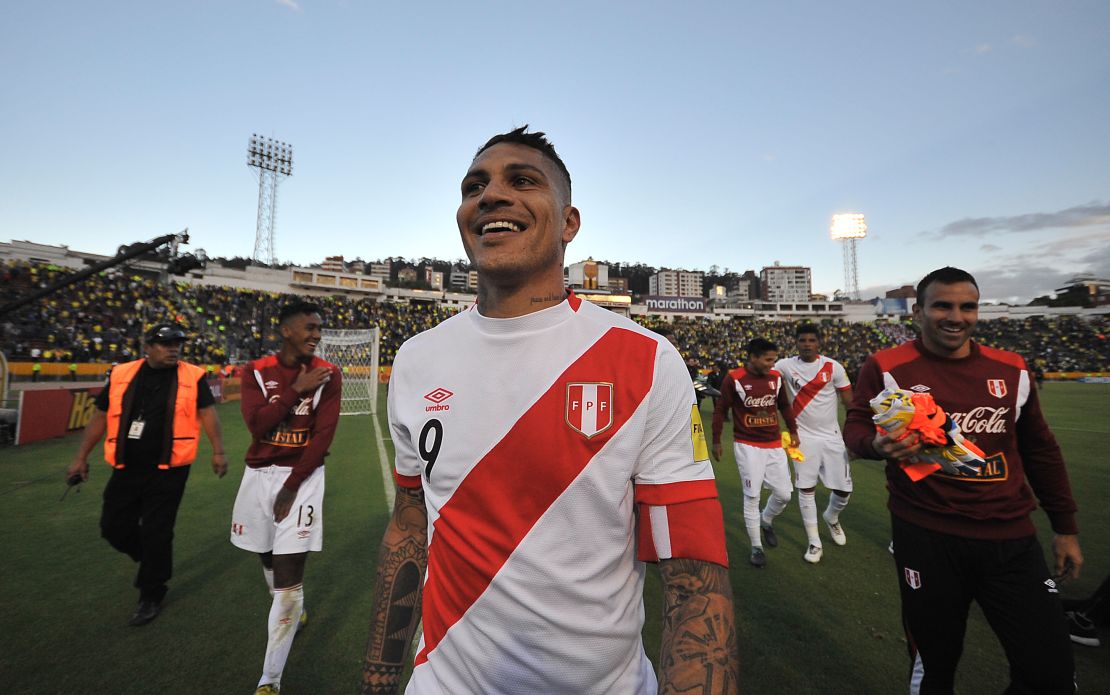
[(402, 560), (700, 654)]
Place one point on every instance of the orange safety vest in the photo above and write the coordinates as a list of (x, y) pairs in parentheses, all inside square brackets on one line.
[(186, 424)]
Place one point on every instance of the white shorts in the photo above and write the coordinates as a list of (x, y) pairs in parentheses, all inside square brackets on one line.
[(759, 467), (252, 519), (827, 461)]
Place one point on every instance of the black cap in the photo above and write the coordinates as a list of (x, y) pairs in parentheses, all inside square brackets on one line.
[(166, 333)]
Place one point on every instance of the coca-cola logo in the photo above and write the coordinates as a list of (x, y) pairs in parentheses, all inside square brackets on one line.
[(982, 420), (767, 401)]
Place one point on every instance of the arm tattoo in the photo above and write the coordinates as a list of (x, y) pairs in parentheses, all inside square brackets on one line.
[(402, 560), (700, 654)]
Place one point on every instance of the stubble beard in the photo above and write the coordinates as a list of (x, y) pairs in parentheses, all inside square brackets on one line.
[(511, 273)]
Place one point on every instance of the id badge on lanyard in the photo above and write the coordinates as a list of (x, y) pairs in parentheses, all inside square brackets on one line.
[(136, 430)]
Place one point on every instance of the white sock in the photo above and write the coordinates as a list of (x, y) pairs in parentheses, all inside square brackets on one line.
[(285, 612), (775, 504), (268, 573), (807, 502), (751, 520), (836, 505)]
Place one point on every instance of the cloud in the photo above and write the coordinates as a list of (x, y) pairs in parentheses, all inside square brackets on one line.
[(291, 4), (1016, 284), (982, 48), (1092, 214), (1044, 267), (1098, 260), (1023, 41), (1038, 267)]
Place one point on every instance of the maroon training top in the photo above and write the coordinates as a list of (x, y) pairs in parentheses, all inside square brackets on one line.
[(753, 400), (991, 396), (288, 429)]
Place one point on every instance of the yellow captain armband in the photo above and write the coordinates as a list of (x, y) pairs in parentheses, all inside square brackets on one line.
[(697, 435)]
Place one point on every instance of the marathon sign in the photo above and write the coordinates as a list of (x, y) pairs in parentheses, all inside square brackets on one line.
[(684, 305)]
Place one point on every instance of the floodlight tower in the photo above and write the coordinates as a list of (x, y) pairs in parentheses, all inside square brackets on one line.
[(848, 228), (273, 159)]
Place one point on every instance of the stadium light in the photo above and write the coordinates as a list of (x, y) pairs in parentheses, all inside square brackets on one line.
[(272, 159), (848, 225), (848, 228)]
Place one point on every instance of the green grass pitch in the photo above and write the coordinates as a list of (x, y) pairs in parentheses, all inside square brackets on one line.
[(827, 628)]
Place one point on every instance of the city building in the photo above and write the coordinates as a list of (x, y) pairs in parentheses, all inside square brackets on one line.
[(333, 264), (785, 283), (676, 283), (588, 275)]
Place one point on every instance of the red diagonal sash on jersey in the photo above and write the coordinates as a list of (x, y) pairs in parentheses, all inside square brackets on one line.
[(807, 392), (506, 493)]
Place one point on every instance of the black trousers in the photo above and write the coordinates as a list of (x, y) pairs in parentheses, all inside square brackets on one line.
[(140, 509), (940, 575)]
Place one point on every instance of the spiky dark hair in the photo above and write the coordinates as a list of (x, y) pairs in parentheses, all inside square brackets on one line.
[(537, 141)]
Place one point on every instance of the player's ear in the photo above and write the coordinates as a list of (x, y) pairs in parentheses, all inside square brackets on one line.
[(572, 221)]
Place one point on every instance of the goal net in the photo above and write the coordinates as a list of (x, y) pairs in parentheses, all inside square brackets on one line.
[(355, 352)]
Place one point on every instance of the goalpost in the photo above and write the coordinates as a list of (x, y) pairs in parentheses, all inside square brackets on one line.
[(355, 352)]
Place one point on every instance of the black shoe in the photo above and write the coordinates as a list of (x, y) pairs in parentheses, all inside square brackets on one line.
[(1081, 629), (758, 559), (769, 537), (147, 611)]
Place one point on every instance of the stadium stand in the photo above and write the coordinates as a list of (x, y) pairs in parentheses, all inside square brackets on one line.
[(96, 321)]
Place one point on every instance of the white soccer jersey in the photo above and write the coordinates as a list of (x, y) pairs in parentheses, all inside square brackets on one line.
[(812, 388), (533, 438)]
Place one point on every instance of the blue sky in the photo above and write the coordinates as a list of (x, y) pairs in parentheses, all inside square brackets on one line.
[(697, 133)]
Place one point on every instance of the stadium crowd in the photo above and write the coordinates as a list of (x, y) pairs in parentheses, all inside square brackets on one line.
[(101, 318)]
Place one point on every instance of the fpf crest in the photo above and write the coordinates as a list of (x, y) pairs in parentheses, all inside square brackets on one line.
[(589, 407), (997, 387)]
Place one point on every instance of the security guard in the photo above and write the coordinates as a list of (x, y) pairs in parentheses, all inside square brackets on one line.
[(152, 411)]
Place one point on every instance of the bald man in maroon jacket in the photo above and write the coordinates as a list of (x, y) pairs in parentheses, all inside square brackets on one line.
[(964, 538)]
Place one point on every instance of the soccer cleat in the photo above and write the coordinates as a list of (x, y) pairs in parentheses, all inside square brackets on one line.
[(147, 611), (758, 559), (836, 531), (267, 689), (769, 536), (1081, 629), (813, 554), (303, 620), (703, 389)]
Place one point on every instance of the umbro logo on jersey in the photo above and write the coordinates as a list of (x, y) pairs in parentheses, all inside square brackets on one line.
[(271, 385), (1051, 586), (920, 388), (589, 407), (438, 396), (997, 387), (747, 387)]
